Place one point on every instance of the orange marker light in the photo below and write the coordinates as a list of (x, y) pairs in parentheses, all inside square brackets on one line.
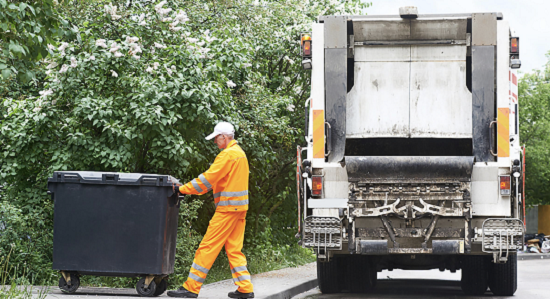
[(505, 185), (317, 188), (514, 45)]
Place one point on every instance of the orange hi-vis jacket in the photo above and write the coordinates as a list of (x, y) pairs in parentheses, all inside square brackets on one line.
[(228, 177)]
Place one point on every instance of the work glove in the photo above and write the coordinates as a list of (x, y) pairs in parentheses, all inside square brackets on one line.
[(177, 189)]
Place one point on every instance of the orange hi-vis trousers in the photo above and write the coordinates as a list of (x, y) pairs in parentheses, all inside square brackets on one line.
[(225, 228)]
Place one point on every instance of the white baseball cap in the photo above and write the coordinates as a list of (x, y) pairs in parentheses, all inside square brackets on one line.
[(222, 128)]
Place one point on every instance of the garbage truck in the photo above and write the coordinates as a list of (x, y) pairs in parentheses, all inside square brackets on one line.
[(412, 157)]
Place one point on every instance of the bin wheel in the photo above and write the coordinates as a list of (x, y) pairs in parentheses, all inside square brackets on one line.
[(161, 287), (146, 292), (69, 289)]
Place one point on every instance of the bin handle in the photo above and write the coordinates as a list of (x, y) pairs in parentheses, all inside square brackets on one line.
[(109, 177), (150, 180)]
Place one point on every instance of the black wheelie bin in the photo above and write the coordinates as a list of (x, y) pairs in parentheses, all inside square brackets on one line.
[(114, 224)]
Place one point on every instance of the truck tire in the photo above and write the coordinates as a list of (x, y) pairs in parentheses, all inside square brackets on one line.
[(360, 274), (328, 275), (503, 278), (475, 270)]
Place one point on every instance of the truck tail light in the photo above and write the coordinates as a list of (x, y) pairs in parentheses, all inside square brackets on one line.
[(307, 48), (505, 185), (317, 188), (514, 46)]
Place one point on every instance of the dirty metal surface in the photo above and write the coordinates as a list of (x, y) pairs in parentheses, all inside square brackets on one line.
[(335, 100), (483, 101), (440, 102), (409, 168), (378, 103), (414, 232)]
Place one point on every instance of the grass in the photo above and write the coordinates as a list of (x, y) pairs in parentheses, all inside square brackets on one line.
[(260, 259), (20, 287)]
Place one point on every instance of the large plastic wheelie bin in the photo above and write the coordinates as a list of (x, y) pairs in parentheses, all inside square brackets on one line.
[(114, 224)]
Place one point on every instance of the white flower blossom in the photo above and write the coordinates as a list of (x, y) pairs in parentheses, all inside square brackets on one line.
[(173, 67), (247, 64), (101, 43), (181, 17), (230, 84), (132, 40), (51, 47), (176, 29), (142, 23), (136, 57), (141, 17), (48, 72), (73, 62), (290, 107), (54, 102), (200, 44), (289, 60), (160, 5), (114, 47), (169, 71), (45, 93), (156, 65), (167, 19), (193, 40), (210, 39), (160, 46), (118, 54), (36, 109), (112, 11), (52, 65), (134, 49), (164, 11), (63, 47), (114, 74), (63, 69), (92, 57), (149, 70)]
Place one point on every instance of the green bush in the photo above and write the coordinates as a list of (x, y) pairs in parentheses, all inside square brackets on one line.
[(129, 90)]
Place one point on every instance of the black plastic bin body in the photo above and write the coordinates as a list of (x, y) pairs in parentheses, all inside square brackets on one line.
[(114, 224)]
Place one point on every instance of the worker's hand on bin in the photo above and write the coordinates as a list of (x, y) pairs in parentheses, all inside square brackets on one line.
[(177, 190)]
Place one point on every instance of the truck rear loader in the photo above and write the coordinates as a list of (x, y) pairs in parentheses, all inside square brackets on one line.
[(413, 158)]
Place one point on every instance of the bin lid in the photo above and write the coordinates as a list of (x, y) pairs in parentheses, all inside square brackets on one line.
[(112, 178)]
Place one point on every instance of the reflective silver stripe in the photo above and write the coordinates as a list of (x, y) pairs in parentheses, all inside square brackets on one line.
[(205, 181), (200, 268), (232, 202), (241, 278), (196, 185), (196, 277), (239, 269), (231, 194)]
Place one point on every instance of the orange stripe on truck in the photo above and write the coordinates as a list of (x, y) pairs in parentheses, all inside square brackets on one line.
[(503, 132), (318, 134)]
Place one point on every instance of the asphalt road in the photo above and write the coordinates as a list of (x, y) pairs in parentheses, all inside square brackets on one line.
[(533, 282)]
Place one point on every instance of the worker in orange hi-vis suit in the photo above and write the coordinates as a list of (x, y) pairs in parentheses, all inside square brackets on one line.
[(228, 178)]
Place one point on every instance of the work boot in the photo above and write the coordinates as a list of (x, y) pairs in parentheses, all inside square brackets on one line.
[(238, 294), (183, 293)]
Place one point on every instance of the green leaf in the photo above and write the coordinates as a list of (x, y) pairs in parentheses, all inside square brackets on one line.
[(6, 73), (16, 48)]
